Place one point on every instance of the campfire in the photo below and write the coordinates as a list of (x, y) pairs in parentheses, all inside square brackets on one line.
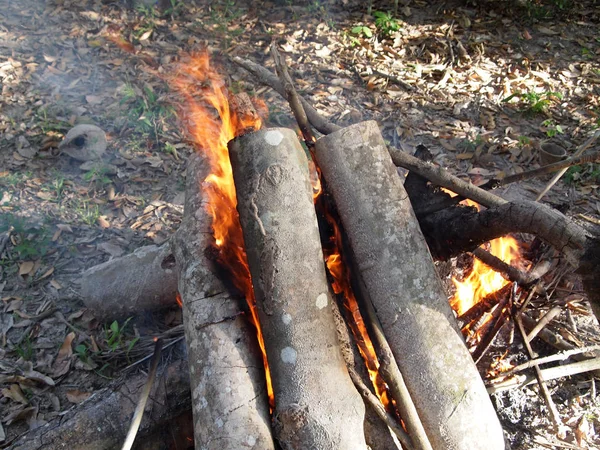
[(313, 313)]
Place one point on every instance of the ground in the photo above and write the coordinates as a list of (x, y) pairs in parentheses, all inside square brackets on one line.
[(482, 84)]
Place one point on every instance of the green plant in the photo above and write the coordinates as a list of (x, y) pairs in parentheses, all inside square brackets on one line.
[(147, 112), (116, 339), (552, 128), (25, 349), (386, 23), (30, 240), (524, 141), (470, 143), (583, 173), (98, 174), (534, 102), (87, 213), (362, 31)]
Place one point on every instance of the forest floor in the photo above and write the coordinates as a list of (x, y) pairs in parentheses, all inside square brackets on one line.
[(482, 84)]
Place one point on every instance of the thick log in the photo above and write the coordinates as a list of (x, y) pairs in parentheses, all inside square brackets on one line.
[(101, 421), (144, 280), (229, 396), (316, 405), (397, 271)]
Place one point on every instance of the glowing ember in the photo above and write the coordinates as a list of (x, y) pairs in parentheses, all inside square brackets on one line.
[(213, 124)]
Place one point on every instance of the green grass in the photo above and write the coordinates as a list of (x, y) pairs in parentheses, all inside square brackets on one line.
[(386, 23), (31, 241), (147, 112)]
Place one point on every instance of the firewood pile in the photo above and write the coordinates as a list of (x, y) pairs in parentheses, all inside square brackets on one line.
[(314, 315)]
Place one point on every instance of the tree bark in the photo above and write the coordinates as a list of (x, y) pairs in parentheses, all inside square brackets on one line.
[(229, 396), (397, 271), (141, 281), (101, 421), (316, 405)]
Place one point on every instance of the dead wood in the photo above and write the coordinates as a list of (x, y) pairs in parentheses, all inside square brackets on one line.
[(101, 421), (316, 405), (400, 278), (144, 280), (451, 232), (230, 404)]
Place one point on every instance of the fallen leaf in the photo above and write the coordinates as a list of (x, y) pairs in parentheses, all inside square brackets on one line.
[(62, 363), (103, 222), (47, 273), (15, 393), (26, 267), (55, 284), (76, 396)]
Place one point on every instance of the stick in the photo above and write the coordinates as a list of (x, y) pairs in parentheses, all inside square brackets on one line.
[(558, 176), (139, 409), (268, 78), (380, 410), (549, 374), (544, 170), (543, 322), (554, 414), (506, 270), (547, 359), (292, 97)]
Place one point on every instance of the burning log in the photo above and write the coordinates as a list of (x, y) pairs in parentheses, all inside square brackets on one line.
[(399, 277), (316, 405), (230, 404), (101, 421), (141, 281)]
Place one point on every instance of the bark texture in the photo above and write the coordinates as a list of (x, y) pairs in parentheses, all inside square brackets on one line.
[(398, 272), (102, 421), (316, 405), (141, 281), (227, 379)]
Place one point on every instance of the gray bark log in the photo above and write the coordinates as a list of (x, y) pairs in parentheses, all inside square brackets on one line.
[(316, 404), (229, 396), (398, 273), (102, 421), (141, 281)]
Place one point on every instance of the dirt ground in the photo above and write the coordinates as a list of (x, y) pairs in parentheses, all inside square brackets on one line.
[(482, 84)]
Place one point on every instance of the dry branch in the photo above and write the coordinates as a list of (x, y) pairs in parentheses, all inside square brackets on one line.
[(230, 404), (316, 405), (101, 421), (398, 273)]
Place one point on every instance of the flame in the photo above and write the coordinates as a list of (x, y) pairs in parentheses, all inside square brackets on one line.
[(483, 280), (342, 284), (212, 124)]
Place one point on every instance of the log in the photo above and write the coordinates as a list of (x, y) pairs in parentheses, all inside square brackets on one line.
[(230, 404), (101, 421), (144, 280), (316, 405), (399, 277)]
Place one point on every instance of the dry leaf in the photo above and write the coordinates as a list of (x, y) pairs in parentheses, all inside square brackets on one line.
[(26, 267), (103, 222), (76, 396), (55, 284), (47, 273), (15, 393), (62, 363)]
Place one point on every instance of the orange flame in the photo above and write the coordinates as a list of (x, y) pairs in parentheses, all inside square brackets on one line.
[(483, 280), (212, 128), (342, 284)]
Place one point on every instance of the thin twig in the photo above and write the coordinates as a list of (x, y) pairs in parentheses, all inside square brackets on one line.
[(558, 176), (552, 373), (544, 170), (561, 356), (139, 409), (395, 80), (292, 97), (554, 414), (506, 270), (370, 398), (545, 320)]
